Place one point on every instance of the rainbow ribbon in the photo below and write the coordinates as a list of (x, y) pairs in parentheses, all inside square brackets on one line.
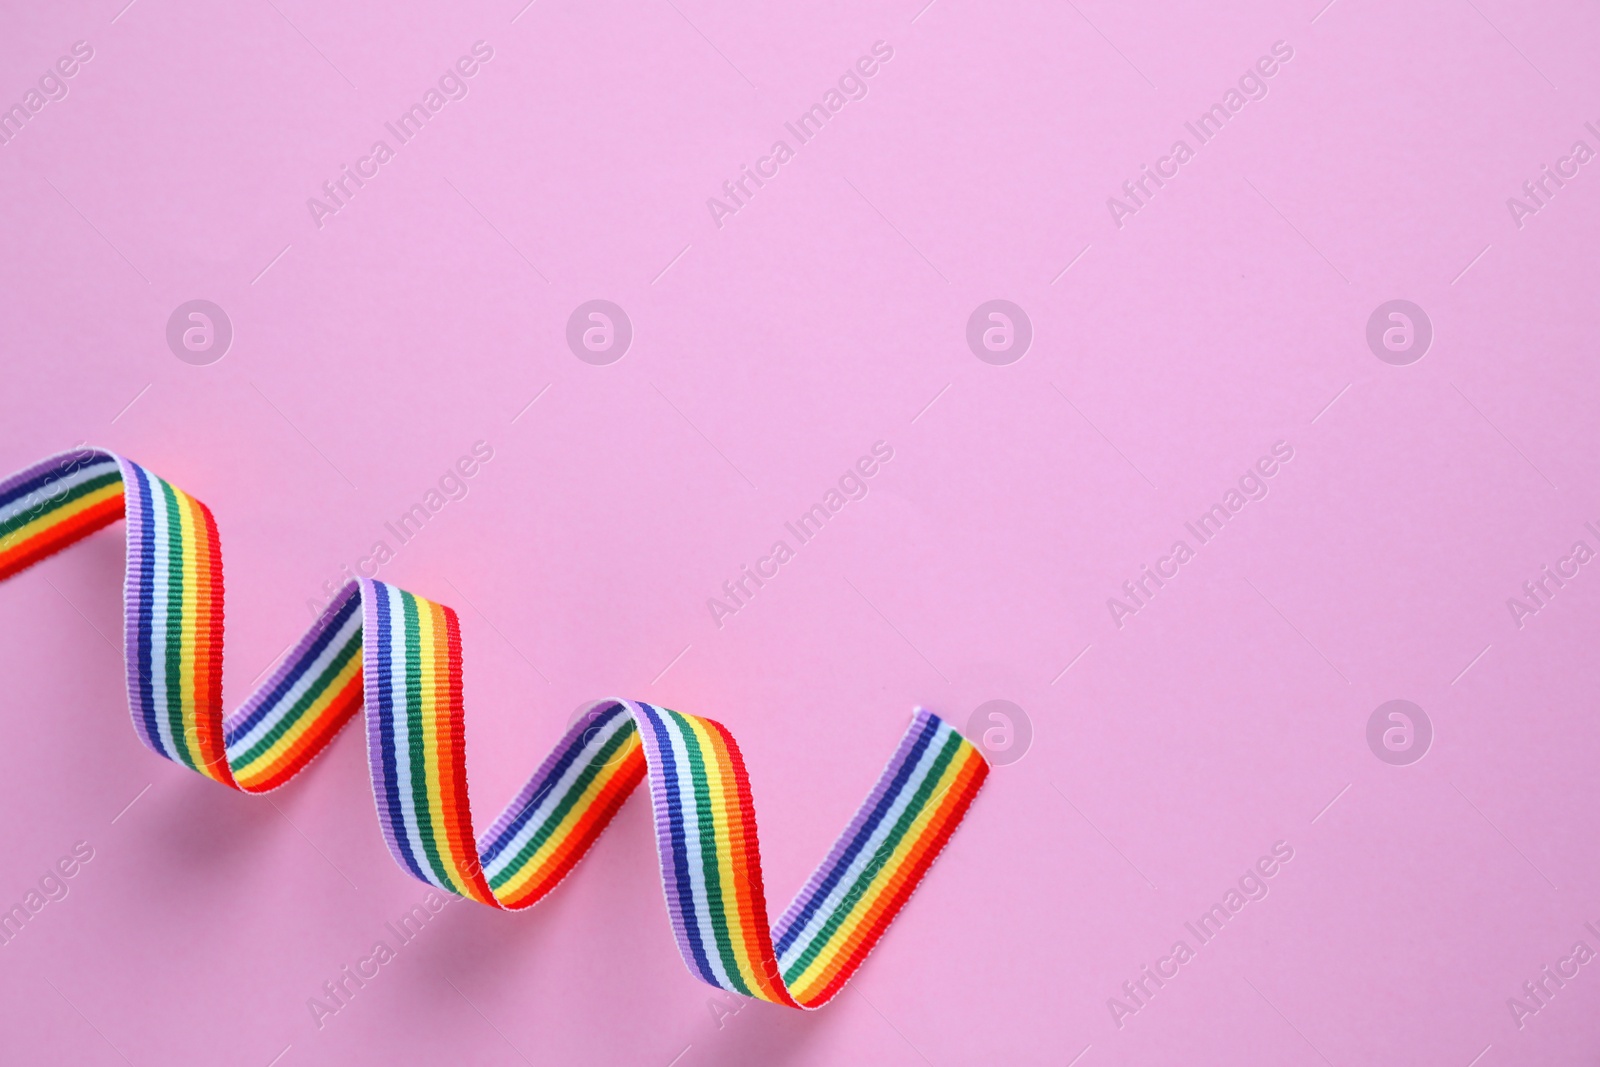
[(399, 656)]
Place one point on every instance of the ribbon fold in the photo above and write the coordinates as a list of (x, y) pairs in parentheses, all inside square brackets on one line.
[(398, 655)]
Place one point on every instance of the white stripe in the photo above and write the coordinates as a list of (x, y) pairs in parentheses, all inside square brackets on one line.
[(281, 709), (133, 580), (691, 836), (160, 586), (59, 487), (864, 858), (553, 796), (401, 684)]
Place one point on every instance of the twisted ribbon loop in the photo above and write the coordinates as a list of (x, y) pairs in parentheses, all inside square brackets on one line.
[(399, 656)]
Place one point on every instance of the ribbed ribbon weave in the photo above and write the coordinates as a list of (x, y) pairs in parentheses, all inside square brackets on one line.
[(399, 656)]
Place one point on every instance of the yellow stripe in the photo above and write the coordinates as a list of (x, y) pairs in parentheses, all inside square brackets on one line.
[(514, 888), (532, 868), (721, 816), (429, 633), (266, 764), (191, 732), (818, 974), (49, 519)]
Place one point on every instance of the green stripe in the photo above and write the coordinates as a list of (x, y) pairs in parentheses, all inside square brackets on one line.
[(558, 814), (872, 870), (708, 851), (175, 624), (419, 761), (83, 489), (308, 698)]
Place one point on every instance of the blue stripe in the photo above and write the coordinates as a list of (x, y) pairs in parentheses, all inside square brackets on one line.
[(680, 846), (54, 474), (147, 578), (385, 713), (298, 671), (854, 848), (579, 748)]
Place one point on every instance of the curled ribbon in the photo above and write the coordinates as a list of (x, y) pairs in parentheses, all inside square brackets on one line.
[(399, 656)]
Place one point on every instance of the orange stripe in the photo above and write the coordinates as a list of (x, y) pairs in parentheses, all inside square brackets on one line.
[(59, 536), (724, 750), (593, 823), (744, 851), (629, 773), (206, 650), (905, 879), (327, 722), (453, 759)]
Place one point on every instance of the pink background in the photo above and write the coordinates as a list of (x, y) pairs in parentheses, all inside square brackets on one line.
[(1226, 315)]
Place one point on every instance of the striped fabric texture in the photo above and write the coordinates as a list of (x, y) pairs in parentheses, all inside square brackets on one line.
[(399, 656)]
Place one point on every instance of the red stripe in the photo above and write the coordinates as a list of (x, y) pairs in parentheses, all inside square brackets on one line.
[(745, 849), (54, 538), (338, 712), (453, 765), (208, 643), (589, 827), (966, 786)]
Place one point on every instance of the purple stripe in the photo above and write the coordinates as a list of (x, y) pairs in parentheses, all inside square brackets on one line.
[(670, 843), (132, 582), (50, 470), (139, 601), (379, 690), (521, 809), (924, 727), (306, 650)]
